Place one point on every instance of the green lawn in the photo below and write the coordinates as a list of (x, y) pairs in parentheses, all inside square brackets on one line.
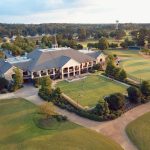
[(19, 132), (91, 89), (139, 132), (134, 64)]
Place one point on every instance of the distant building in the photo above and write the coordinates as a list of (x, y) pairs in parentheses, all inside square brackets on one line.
[(6, 39), (13, 38)]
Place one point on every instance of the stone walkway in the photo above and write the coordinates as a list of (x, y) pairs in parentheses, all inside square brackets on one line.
[(114, 129)]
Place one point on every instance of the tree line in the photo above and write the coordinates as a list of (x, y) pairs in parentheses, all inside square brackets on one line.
[(67, 29)]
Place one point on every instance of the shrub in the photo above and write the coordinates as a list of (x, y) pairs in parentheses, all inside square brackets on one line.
[(3, 91), (134, 94), (101, 108), (91, 71), (145, 88), (61, 118), (122, 75), (36, 82), (3, 83), (97, 67), (56, 97), (116, 101), (116, 73)]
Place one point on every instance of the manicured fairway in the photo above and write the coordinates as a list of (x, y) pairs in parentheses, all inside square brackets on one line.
[(134, 64), (91, 89), (125, 53), (139, 132), (139, 68), (84, 43), (18, 132)]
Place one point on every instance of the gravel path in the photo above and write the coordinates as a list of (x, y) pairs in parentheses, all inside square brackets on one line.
[(114, 129)]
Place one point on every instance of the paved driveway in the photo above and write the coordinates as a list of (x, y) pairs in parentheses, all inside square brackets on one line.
[(114, 129)]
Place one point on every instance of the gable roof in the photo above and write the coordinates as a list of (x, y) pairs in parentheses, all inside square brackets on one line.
[(53, 63), (4, 66), (22, 65), (94, 54), (55, 58)]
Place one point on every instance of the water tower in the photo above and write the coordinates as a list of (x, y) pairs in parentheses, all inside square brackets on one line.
[(117, 24)]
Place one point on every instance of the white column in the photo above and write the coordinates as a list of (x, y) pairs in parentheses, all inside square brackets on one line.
[(62, 73), (79, 70), (68, 73), (54, 71), (74, 71), (39, 72), (32, 76), (47, 72), (87, 66)]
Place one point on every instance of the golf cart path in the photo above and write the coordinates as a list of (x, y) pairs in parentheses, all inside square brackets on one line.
[(114, 129)]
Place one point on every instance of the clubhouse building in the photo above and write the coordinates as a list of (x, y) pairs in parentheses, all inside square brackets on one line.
[(58, 63)]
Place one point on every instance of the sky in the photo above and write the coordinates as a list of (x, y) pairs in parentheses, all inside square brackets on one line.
[(74, 11)]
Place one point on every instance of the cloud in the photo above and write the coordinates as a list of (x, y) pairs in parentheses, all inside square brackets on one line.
[(26, 7), (74, 11)]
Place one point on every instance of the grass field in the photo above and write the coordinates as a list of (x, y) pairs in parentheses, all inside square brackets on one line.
[(139, 132), (91, 89), (19, 132), (84, 43), (134, 64)]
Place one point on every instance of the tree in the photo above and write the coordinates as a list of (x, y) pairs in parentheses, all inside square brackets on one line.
[(122, 75), (134, 94), (118, 34), (24, 44), (103, 44), (110, 68), (99, 109), (116, 72), (100, 33), (1, 40), (45, 89), (46, 81), (18, 79), (106, 108), (79, 46), (141, 37), (127, 43), (102, 108), (48, 110), (113, 45), (116, 101), (91, 45), (145, 88), (47, 41), (82, 34), (56, 94)]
